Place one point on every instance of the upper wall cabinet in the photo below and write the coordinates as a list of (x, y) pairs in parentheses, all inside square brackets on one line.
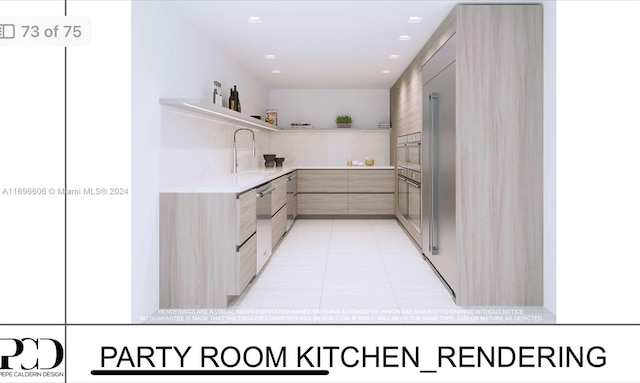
[(406, 93)]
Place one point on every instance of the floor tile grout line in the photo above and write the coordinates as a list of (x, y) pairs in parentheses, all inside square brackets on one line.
[(324, 275), (395, 298)]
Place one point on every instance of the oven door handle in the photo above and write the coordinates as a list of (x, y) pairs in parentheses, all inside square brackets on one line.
[(412, 182)]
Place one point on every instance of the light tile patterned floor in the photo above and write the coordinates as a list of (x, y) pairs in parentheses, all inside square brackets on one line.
[(353, 271)]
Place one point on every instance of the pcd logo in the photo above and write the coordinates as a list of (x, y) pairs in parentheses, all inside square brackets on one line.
[(29, 352)]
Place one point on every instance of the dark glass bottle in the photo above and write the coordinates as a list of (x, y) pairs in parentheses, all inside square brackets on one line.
[(235, 98), (232, 104)]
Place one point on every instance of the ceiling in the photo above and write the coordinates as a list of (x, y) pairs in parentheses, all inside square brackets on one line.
[(318, 44)]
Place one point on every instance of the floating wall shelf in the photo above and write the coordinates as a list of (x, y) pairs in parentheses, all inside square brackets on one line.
[(234, 118), (218, 112), (334, 129)]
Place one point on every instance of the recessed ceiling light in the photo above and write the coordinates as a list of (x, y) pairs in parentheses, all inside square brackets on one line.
[(276, 71), (254, 19), (404, 38), (386, 71), (414, 19), (270, 57), (394, 57)]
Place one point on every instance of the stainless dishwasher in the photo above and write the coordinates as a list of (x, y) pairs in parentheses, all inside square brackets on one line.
[(263, 223)]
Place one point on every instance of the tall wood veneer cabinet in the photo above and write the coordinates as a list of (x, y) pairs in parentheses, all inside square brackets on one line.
[(207, 248), (346, 192), (499, 149)]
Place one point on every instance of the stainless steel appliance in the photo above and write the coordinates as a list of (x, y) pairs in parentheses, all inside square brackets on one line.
[(439, 162), (409, 153), (409, 159), (292, 199), (263, 223)]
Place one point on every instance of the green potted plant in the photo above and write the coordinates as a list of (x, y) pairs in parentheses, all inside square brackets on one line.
[(343, 121)]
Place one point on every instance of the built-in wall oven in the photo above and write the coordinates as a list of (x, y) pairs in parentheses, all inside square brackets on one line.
[(410, 179), (409, 152)]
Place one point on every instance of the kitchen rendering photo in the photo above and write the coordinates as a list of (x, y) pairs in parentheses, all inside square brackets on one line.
[(343, 162)]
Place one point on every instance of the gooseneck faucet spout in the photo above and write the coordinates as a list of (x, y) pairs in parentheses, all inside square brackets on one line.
[(235, 148)]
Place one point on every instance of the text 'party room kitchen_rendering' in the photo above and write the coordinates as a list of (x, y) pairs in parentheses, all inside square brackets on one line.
[(342, 162)]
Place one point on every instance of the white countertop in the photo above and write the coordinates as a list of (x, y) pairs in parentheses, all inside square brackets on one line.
[(237, 183)]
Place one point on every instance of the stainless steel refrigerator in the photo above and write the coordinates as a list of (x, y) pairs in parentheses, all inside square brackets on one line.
[(439, 162)]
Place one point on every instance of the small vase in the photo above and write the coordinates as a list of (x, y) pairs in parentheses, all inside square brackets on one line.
[(269, 160)]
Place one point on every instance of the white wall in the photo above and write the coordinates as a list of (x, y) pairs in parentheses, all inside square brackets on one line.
[(313, 148), (175, 62), (320, 107), (195, 148)]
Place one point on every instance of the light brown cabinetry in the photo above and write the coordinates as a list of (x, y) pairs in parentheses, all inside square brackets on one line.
[(278, 226), (322, 181), (365, 204), (406, 93), (346, 192), (322, 204), (207, 248), (279, 195), (246, 216), (498, 150), (278, 209), (500, 155), (245, 266), (370, 181)]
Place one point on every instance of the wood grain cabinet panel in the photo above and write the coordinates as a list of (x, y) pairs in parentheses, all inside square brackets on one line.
[(245, 265), (322, 204), (195, 237), (498, 223), (246, 216), (279, 196), (500, 206), (371, 204), (278, 226), (294, 203), (322, 181), (201, 261), (371, 181)]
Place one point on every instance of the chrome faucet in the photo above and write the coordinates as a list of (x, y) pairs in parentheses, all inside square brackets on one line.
[(235, 148)]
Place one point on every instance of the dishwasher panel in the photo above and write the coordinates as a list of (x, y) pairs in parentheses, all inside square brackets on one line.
[(263, 222)]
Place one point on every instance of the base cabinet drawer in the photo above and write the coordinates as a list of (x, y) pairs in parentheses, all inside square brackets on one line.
[(278, 226), (371, 204), (294, 208), (245, 216), (372, 181), (245, 264), (279, 196), (322, 181), (322, 204)]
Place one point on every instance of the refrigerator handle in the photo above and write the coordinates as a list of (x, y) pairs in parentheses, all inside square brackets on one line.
[(434, 99)]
